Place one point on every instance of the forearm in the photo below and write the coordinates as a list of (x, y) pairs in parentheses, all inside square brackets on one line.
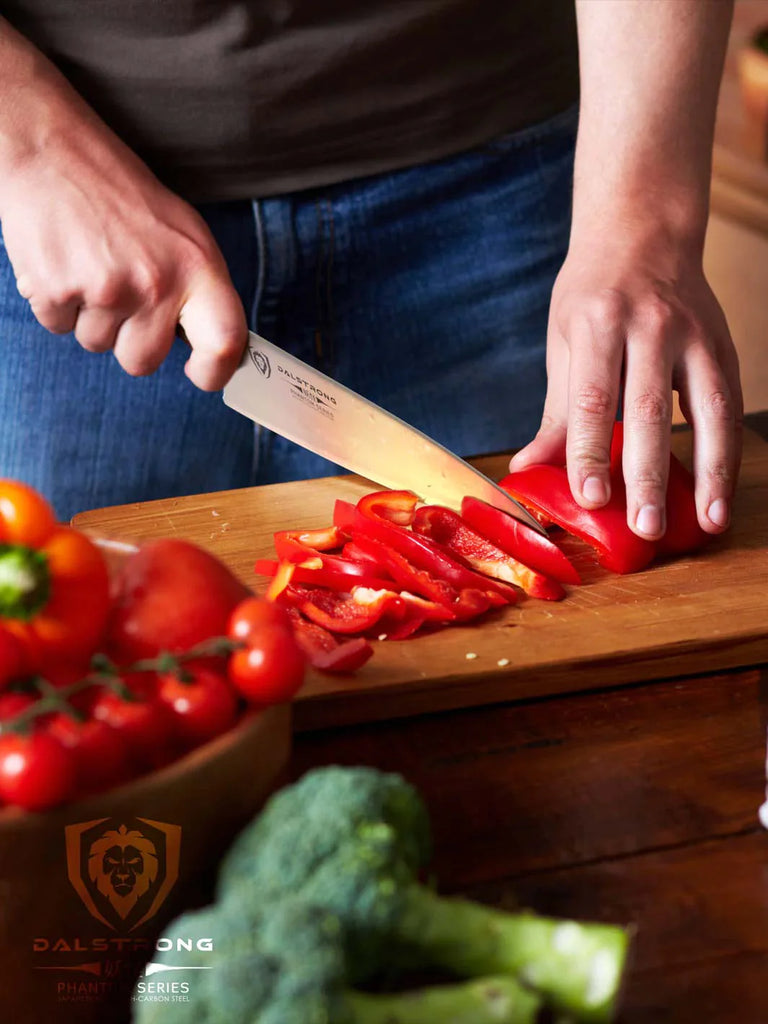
[(650, 73), (43, 120)]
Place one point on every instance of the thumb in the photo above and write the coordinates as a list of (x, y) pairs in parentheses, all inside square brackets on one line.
[(213, 321)]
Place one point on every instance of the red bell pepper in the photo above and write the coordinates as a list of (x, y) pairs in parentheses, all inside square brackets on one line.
[(324, 652), (311, 548), (370, 519), (463, 603), (320, 575), (545, 488), (529, 547), (447, 528), (355, 612), (683, 533)]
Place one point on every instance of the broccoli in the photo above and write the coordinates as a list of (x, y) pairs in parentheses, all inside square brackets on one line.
[(352, 840), (288, 966)]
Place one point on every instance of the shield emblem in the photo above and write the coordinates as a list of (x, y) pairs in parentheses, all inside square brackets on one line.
[(123, 868)]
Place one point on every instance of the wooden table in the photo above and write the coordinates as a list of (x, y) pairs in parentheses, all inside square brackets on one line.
[(635, 802), (625, 804)]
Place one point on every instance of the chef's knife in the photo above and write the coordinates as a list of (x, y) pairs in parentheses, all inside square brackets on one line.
[(286, 395)]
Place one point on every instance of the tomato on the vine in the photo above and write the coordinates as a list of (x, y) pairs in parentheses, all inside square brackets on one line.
[(201, 704), (98, 749), (255, 614), (270, 670), (141, 719), (36, 771)]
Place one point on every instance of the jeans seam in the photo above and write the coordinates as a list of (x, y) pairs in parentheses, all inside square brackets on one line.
[(261, 273)]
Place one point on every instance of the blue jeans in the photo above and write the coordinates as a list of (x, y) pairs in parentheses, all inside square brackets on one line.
[(426, 290)]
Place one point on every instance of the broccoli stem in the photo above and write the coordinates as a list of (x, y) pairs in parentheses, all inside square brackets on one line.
[(483, 1001), (577, 968)]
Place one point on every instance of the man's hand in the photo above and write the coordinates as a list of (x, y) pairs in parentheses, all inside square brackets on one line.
[(628, 324), (97, 244), (632, 317)]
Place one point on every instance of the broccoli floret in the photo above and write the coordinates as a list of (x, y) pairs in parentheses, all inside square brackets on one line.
[(353, 841), (292, 970)]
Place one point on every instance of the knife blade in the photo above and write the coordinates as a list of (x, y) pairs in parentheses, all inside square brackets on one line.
[(279, 391)]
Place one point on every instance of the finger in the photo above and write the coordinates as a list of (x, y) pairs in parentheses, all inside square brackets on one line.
[(144, 340), (214, 323), (647, 430), (715, 415), (548, 446), (597, 351), (57, 317), (96, 328)]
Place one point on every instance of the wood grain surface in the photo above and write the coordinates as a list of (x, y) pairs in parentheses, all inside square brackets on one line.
[(706, 612), (635, 805)]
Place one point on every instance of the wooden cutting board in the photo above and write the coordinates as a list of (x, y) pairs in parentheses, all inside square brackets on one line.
[(702, 613)]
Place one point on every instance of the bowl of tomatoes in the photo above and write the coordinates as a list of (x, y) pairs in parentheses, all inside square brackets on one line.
[(144, 718)]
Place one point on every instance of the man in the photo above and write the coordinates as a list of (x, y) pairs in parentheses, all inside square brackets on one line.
[(386, 188)]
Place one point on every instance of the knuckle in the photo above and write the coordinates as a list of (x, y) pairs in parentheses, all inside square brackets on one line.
[(657, 316), (718, 406), (648, 479), (152, 282), (589, 455), (594, 401), (606, 309), (720, 473), (105, 292), (650, 408)]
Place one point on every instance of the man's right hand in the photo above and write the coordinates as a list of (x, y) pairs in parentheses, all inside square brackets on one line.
[(98, 245)]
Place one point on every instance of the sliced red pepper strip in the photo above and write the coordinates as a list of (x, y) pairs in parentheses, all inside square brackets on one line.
[(289, 543), (448, 528), (545, 489), (396, 507), (683, 533), (462, 604), (323, 650), (281, 579), (420, 551), (529, 547), (320, 575), (356, 612)]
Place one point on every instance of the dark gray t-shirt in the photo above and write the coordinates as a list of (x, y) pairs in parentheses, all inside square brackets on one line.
[(247, 98)]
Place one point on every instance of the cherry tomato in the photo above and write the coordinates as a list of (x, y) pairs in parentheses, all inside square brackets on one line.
[(169, 596), (270, 669), (201, 707), (143, 722), (253, 615), (12, 702), (36, 771), (98, 749)]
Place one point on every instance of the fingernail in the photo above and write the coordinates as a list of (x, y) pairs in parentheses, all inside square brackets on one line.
[(595, 490), (718, 513), (649, 520)]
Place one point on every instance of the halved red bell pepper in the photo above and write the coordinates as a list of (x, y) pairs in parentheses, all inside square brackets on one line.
[(447, 528), (683, 533), (545, 488), (369, 519), (529, 547), (324, 652)]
